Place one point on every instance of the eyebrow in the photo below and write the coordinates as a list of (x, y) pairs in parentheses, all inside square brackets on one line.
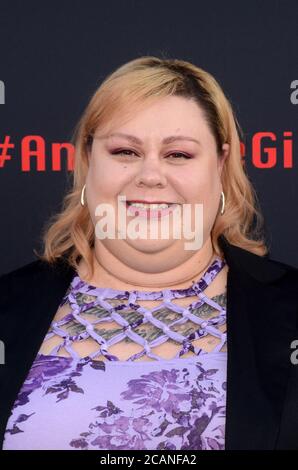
[(136, 140)]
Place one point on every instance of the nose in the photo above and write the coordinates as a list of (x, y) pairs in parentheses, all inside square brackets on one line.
[(150, 174)]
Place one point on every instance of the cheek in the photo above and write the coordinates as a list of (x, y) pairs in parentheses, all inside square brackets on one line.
[(201, 184), (105, 177)]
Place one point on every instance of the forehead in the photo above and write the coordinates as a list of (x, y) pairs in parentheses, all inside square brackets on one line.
[(169, 119)]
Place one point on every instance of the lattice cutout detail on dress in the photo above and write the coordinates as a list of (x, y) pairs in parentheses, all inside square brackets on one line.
[(95, 298)]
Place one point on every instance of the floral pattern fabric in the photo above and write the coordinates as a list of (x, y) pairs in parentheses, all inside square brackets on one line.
[(90, 404)]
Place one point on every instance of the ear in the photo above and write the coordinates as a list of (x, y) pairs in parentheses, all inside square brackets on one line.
[(222, 158)]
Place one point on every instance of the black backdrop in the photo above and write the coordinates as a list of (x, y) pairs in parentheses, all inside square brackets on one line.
[(54, 54)]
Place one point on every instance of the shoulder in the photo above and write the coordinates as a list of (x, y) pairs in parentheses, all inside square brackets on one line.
[(288, 274), (24, 275), (33, 280), (263, 269), (287, 268), (14, 284), (33, 269), (13, 281), (22, 271), (277, 275), (275, 280)]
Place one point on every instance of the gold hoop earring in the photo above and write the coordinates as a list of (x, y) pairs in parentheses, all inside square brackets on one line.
[(82, 195), (223, 202)]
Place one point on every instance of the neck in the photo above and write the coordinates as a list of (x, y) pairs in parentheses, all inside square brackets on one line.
[(109, 271)]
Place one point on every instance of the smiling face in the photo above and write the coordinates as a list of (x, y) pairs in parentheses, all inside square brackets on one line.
[(158, 164)]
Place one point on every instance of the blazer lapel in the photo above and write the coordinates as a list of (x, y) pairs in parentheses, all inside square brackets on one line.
[(260, 322)]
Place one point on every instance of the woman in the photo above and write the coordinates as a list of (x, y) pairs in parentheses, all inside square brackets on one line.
[(143, 342)]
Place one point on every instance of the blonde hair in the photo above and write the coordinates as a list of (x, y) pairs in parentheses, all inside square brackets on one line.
[(69, 234)]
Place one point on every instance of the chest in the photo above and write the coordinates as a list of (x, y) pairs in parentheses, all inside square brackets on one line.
[(149, 324)]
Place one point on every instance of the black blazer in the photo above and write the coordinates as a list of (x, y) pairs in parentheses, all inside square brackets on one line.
[(262, 322)]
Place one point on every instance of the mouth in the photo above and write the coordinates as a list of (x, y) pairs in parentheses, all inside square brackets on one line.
[(154, 210)]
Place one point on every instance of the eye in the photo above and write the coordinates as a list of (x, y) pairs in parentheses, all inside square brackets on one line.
[(118, 152), (127, 152), (183, 155)]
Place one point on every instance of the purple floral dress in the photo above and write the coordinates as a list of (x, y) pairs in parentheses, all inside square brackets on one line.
[(91, 404)]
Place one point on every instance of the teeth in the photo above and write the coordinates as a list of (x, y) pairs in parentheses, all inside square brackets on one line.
[(149, 206)]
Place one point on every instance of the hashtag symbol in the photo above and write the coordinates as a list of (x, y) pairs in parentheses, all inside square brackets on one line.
[(4, 150)]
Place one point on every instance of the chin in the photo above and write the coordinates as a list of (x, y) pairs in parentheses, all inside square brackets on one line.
[(149, 246)]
